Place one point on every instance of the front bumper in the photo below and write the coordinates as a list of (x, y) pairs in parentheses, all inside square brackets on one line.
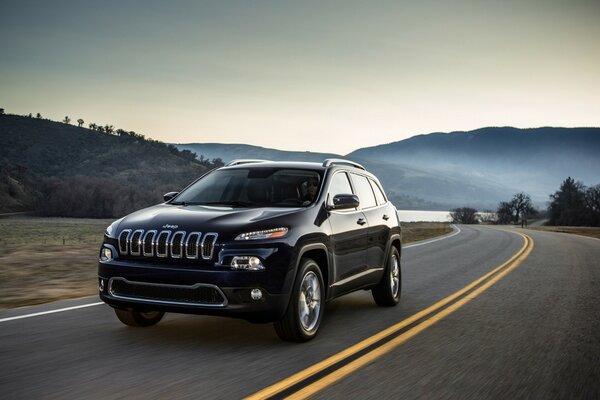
[(274, 282)]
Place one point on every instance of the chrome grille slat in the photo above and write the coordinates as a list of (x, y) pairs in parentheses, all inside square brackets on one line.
[(167, 244), (176, 245), (135, 242), (208, 245), (162, 244), (192, 244), (124, 241), (148, 243)]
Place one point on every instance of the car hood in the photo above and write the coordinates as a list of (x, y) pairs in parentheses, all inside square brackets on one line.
[(200, 218)]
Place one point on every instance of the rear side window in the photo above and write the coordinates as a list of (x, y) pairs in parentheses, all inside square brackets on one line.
[(339, 185), (378, 192), (364, 191)]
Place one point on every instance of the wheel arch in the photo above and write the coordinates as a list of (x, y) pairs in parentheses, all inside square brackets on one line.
[(320, 254)]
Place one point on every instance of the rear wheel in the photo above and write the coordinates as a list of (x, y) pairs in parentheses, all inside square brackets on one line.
[(139, 318), (305, 311), (387, 292)]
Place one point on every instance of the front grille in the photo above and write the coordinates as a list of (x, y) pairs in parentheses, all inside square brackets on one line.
[(167, 244), (198, 294)]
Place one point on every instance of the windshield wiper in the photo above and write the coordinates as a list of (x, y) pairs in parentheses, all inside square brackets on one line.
[(179, 203)]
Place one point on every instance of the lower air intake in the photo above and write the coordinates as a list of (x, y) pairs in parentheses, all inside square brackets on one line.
[(198, 294)]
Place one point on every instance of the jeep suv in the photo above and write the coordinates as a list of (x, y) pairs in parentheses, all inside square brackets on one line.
[(261, 240)]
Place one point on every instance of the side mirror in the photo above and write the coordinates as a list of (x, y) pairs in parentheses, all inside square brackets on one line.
[(170, 195), (344, 202)]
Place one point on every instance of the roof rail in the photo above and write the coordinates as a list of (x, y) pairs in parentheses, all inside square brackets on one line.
[(239, 162), (341, 161)]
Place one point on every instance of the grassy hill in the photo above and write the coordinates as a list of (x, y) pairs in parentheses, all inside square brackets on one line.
[(63, 170), (228, 152)]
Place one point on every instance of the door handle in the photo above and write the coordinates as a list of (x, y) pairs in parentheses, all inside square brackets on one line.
[(361, 221), (385, 217)]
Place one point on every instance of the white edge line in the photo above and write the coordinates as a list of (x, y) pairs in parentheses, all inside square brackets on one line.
[(434, 240), (98, 303), (50, 312)]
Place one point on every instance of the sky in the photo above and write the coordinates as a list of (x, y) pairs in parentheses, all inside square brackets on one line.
[(324, 76)]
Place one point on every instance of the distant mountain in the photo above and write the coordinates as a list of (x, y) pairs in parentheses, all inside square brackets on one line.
[(408, 187), (444, 170), (532, 160), (60, 169)]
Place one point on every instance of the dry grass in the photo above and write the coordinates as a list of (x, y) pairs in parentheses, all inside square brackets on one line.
[(33, 275), (577, 230), (35, 267), (414, 231)]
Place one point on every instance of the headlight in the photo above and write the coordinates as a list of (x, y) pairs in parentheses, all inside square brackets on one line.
[(265, 234), (112, 228)]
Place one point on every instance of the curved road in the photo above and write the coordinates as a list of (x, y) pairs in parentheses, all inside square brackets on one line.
[(533, 333)]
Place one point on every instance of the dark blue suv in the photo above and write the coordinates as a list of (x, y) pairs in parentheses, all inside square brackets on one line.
[(261, 240)]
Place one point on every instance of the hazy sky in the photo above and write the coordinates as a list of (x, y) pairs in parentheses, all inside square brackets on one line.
[(302, 75)]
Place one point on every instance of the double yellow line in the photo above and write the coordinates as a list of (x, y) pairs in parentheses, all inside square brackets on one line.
[(317, 377)]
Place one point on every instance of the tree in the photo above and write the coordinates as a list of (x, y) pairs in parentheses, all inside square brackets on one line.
[(67, 120), (568, 204), (505, 212), (464, 215), (217, 162), (592, 202), (522, 206), (109, 129), (515, 210), (1, 111), (93, 126), (38, 116), (80, 122)]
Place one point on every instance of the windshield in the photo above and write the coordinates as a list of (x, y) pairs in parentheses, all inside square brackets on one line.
[(254, 187)]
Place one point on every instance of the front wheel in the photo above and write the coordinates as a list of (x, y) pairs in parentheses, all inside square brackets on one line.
[(387, 292), (139, 318), (305, 311)]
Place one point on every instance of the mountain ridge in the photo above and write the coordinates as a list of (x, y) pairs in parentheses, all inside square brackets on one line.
[(477, 168)]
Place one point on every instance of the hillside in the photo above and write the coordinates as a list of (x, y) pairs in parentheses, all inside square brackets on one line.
[(531, 160), (64, 170), (228, 152)]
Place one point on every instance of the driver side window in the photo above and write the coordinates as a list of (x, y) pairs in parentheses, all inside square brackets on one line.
[(340, 184)]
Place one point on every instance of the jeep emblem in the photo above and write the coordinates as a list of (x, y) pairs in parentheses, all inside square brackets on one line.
[(170, 226)]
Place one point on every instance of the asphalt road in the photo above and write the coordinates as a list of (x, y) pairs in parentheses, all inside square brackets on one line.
[(535, 333)]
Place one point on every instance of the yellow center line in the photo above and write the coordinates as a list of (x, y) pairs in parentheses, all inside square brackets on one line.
[(340, 373)]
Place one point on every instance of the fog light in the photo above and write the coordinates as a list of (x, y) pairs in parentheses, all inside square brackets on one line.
[(106, 254), (256, 294), (101, 285), (250, 263)]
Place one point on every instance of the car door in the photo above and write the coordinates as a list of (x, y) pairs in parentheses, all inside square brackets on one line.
[(348, 234), (375, 213)]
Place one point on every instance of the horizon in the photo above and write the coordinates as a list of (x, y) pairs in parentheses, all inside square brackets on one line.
[(285, 75)]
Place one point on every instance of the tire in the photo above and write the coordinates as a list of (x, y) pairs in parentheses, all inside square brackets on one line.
[(301, 321), (139, 318), (387, 292)]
